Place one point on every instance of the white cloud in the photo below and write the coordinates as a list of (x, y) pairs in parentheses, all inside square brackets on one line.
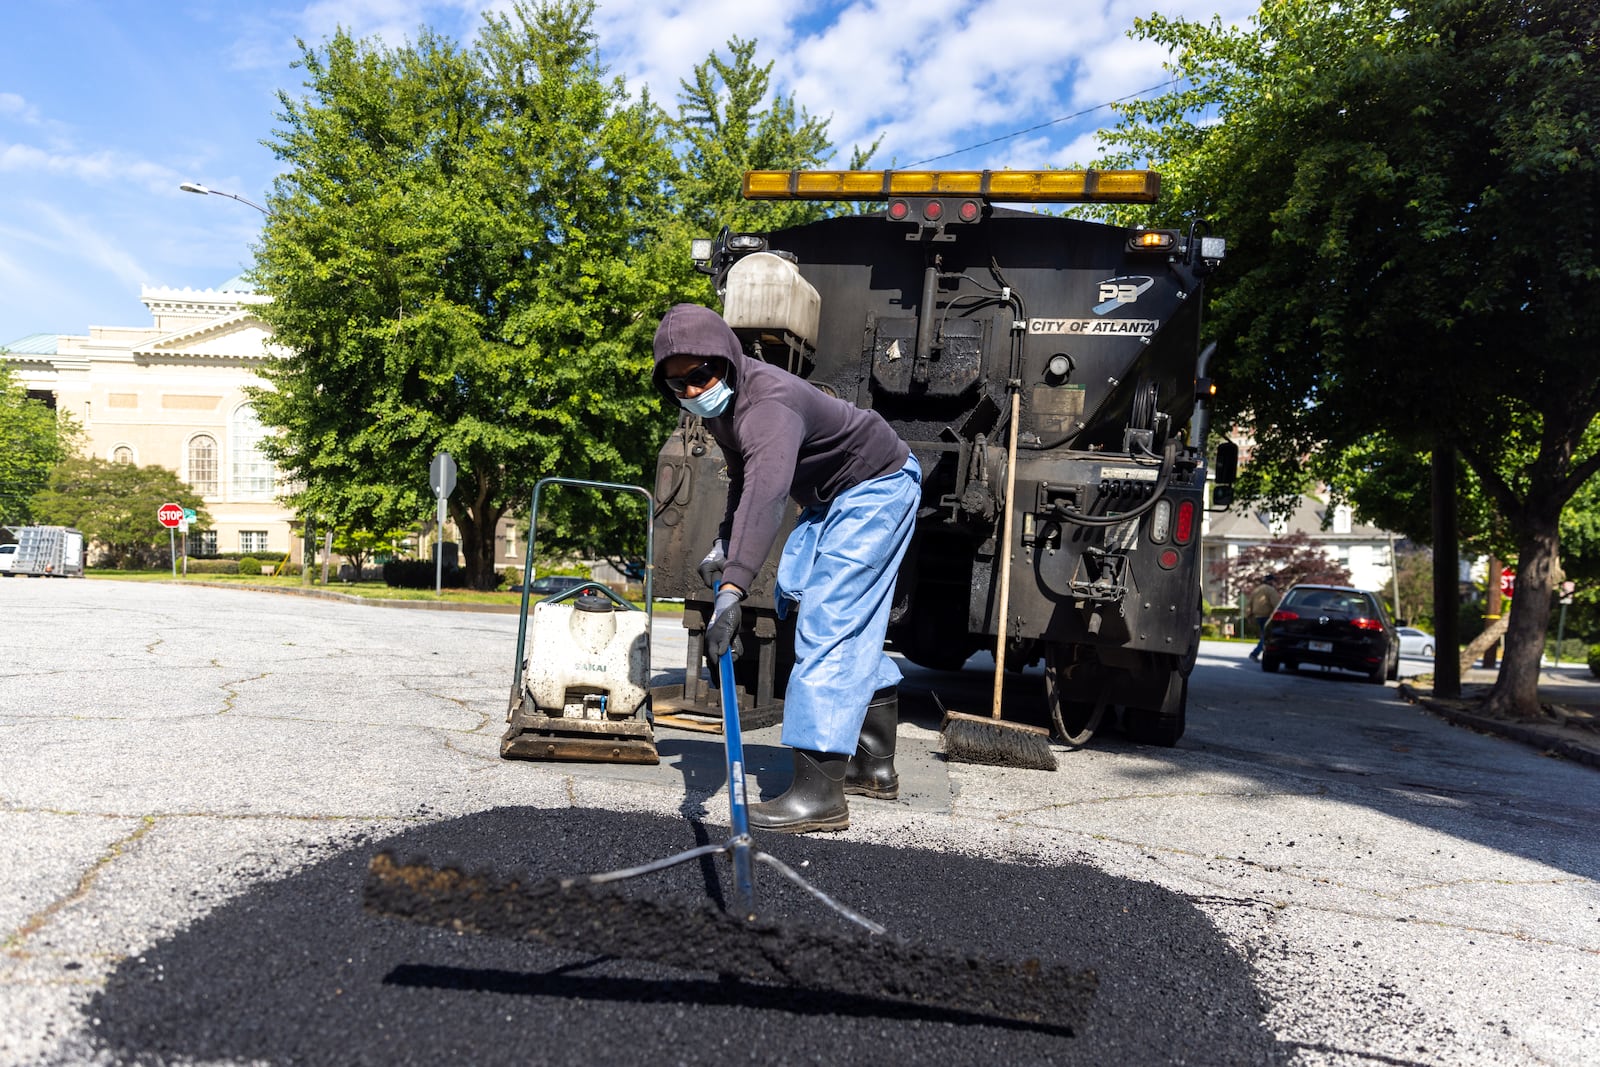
[(104, 168), (658, 45), (14, 106), (80, 238), (393, 20)]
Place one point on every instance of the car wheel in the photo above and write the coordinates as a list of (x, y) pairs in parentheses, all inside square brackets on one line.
[(1269, 664), (1427, 650), (1379, 674)]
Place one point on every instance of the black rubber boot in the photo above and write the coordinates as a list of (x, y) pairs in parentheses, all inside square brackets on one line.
[(815, 800), (871, 770)]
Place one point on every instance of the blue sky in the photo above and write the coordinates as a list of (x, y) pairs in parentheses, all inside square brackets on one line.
[(106, 106)]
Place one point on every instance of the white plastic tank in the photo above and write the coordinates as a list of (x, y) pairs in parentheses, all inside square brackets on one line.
[(587, 658), (766, 292)]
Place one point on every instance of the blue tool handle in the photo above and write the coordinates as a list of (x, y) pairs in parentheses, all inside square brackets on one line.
[(738, 811)]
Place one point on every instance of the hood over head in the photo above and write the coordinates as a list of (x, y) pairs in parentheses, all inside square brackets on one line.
[(692, 330)]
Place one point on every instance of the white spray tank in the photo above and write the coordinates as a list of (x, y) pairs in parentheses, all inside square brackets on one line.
[(588, 658), (765, 294)]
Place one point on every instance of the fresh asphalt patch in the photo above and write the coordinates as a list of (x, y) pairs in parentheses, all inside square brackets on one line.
[(295, 971)]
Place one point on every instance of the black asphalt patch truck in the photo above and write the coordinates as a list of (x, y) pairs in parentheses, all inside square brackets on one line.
[(946, 311)]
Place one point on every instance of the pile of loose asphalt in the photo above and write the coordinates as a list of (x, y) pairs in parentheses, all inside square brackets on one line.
[(296, 971)]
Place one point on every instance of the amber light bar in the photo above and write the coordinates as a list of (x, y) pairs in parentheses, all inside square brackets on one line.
[(1019, 186)]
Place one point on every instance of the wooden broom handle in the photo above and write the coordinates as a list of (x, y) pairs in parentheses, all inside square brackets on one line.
[(1005, 551)]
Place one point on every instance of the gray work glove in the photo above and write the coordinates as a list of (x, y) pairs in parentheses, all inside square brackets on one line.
[(711, 566), (723, 633)]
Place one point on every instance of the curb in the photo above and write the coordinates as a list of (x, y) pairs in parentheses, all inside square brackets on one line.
[(1529, 735), (351, 598)]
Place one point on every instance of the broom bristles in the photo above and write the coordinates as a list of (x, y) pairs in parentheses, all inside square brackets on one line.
[(997, 743)]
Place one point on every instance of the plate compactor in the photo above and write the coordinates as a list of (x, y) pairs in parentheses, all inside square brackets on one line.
[(580, 689)]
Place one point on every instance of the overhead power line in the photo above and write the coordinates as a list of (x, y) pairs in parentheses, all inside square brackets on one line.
[(1039, 126)]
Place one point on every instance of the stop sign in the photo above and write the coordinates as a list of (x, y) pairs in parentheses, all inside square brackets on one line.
[(170, 514), (1508, 581)]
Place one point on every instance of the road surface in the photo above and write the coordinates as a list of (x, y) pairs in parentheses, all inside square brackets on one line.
[(193, 779)]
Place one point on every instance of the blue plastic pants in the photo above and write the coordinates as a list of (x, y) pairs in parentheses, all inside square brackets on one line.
[(839, 566)]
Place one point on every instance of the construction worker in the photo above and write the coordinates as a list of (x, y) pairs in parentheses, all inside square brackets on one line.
[(858, 486), (1263, 602)]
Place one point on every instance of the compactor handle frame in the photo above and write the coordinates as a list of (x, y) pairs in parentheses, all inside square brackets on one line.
[(527, 569)]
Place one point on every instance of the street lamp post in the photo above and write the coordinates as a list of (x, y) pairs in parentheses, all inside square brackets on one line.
[(196, 187), (307, 550)]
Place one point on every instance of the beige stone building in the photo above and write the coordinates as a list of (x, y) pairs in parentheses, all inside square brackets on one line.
[(173, 393)]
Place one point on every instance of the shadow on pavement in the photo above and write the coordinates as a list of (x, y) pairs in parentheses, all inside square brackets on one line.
[(295, 971), (1364, 742)]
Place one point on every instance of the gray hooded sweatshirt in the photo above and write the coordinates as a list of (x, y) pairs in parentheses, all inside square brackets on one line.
[(782, 438)]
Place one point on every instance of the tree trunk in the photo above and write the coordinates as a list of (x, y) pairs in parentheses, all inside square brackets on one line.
[(1517, 690), (477, 518), (1480, 644), (1446, 574)]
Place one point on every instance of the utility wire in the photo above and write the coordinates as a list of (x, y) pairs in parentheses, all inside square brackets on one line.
[(1030, 129)]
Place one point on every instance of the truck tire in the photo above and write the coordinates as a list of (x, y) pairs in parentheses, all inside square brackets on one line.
[(1164, 726)]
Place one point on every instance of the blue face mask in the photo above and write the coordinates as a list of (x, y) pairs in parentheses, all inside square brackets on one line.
[(711, 403)]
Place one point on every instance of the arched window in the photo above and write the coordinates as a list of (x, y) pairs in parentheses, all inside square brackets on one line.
[(253, 474), (122, 454), (203, 464)]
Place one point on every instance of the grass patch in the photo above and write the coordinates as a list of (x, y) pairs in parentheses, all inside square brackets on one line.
[(364, 590)]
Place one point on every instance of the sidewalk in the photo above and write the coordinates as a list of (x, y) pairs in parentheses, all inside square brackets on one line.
[(1571, 698)]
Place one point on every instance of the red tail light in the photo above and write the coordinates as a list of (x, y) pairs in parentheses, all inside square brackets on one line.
[(932, 210), (1284, 616), (1183, 529), (1366, 624), (898, 210), (969, 211)]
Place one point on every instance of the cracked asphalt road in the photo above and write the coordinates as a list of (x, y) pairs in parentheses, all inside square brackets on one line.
[(1365, 883)]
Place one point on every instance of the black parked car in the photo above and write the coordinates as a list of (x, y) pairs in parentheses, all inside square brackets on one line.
[(556, 583), (1333, 626)]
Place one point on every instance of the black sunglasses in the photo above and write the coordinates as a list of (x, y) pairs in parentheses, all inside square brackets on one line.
[(695, 379)]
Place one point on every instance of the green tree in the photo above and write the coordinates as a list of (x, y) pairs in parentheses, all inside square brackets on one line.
[(360, 546), (726, 125), (1289, 560), (33, 439), (115, 505), (1411, 198), (463, 257)]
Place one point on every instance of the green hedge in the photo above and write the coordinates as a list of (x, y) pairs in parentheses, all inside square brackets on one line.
[(1594, 660), (211, 566), (421, 574)]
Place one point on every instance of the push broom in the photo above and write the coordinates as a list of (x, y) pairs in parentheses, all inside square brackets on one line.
[(990, 739)]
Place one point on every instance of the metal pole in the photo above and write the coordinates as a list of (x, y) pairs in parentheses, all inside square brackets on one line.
[(1446, 582), (172, 550), (438, 552), (1561, 633), (308, 549), (738, 816), (1394, 577)]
